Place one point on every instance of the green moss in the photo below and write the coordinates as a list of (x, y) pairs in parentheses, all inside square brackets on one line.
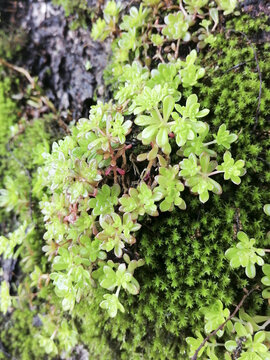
[(8, 112), (21, 145), (21, 154), (18, 336), (8, 116), (78, 10), (22, 142), (11, 42)]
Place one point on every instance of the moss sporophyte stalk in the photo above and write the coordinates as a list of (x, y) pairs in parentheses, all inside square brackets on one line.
[(147, 208)]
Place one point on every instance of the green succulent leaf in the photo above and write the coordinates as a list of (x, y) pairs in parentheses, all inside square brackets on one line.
[(157, 129), (214, 316), (266, 209), (112, 304), (240, 329), (157, 39), (99, 30), (9, 244), (168, 106), (120, 128), (197, 145), (224, 137), (110, 279), (201, 182), (227, 6), (135, 19), (183, 130), (245, 254), (139, 201), (266, 281), (48, 345), (111, 9), (192, 109), (194, 343), (63, 261), (176, 27), (105, 200), (230, 345), (167, 76), (91, 249), (195, 6), (116, 231), (186, 127), (232, 170), (254, 349), (169, 189), (189, 72), (148, 99), (189, 167)]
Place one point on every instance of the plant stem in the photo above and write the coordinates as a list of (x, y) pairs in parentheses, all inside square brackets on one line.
[(182, 9), (210, 143), (177, 49), (265, 325), (20, 70), (117, 291), (158, 26), (215, 172), (159, 114)]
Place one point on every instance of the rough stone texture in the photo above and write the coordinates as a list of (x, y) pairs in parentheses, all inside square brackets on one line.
[(80, 353), (57, 55), (254, 7)]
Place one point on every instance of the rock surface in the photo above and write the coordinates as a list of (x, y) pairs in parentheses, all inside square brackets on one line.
[(58, 56)]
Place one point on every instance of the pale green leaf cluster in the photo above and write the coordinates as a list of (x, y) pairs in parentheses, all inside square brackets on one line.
[(227, 6), (10, 244), (266, 281), (245, 254), (56, 337), (102, 28), (190, 72), (12, 197), (89, 213), (94, 200), (176, 27), (214, 316)]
